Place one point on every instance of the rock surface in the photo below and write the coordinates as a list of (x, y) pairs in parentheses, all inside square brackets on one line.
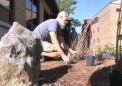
[(19, 57)]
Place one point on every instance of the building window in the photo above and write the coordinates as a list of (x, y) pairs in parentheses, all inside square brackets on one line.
[(98, 40), (94, 40), (98, 29), (117, 10), (6, 11), (96, 20), (93, 31), (31, 14)]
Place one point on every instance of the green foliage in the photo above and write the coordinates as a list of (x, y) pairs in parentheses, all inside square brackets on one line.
[(65, 5), (112, 49), (75, 22), (99, 49), (106, 49), (109, 49)]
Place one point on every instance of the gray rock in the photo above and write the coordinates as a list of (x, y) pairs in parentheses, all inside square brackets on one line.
[(19, 57)]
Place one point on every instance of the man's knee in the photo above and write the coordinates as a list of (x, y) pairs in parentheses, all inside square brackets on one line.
[(47, 47)]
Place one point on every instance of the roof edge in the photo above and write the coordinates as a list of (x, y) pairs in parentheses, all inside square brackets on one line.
[(57, 5), (103, 8)]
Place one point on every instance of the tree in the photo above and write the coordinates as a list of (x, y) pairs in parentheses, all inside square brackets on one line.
[(65, 5), (75, 22)]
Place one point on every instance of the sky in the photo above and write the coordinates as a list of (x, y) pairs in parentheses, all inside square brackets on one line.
[(86, 9)]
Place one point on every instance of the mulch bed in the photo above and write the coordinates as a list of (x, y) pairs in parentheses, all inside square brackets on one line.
[(57, 73)]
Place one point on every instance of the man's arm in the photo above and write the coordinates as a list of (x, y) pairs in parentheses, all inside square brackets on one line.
[(56, 44), (65, 46)]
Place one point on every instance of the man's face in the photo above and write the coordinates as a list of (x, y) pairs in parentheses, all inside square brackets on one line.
[(63, 21), (73, 29)]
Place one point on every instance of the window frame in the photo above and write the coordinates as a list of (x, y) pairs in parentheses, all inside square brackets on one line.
[(98, 40), (98, 30), (9, 10), (96, 20), (93, 31), (117, 11)]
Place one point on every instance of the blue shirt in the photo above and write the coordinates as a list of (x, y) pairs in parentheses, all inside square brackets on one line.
[(43, 29), (73, 36)]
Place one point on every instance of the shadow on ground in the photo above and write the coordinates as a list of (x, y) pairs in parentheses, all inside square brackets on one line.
[(52, 75), (100, 77)]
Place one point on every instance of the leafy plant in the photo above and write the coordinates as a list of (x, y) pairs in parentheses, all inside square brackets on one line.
[(108, 49), (99, 49), (112, 49), (105, 49)]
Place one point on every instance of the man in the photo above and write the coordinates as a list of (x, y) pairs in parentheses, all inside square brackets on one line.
[(50, 35), (73, 38), (73, 34)]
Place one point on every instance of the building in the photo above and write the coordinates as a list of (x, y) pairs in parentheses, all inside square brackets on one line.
[(16, 11), (104, 28)]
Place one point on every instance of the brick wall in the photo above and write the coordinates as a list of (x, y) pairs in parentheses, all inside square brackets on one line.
[(107, 25), (43, 6), (19, 11)]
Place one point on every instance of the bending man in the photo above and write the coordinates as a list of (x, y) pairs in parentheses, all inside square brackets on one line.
[(50, 35)]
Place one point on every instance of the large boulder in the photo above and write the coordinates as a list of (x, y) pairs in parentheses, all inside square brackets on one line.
[(20, 52)]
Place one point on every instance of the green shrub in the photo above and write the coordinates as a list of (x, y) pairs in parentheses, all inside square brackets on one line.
[(99, 49)]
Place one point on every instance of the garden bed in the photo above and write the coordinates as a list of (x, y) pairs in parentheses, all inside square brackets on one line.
[(57, 73)]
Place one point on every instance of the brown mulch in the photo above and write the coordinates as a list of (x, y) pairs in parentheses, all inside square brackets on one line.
[(57, 73)]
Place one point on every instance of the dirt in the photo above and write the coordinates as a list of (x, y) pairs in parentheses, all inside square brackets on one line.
[(57, 73)]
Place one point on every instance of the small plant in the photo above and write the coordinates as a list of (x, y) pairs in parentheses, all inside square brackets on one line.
[(108, 49), (99, 49), (112, 49), (104, 50)]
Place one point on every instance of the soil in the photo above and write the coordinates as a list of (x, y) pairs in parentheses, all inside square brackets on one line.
[(57, 73)]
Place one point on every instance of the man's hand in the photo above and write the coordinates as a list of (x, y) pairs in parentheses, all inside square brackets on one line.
[(65, 58), (73, 52)]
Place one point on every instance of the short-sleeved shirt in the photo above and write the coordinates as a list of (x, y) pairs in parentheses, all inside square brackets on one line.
[(43, 29)]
